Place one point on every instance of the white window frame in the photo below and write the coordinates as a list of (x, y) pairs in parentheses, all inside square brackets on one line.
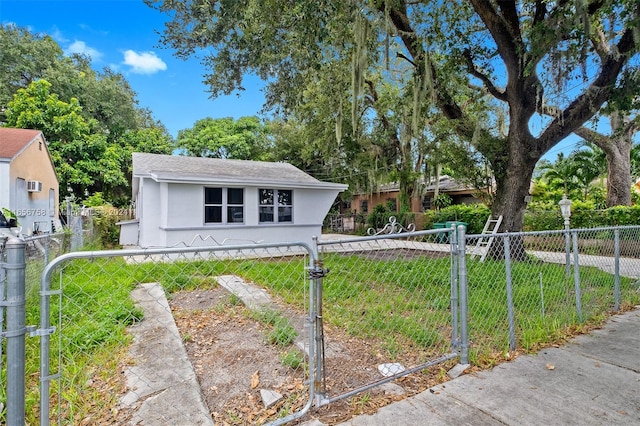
[(224, 205), (275, 206)]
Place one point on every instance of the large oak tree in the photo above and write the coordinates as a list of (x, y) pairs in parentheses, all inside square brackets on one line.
[(526, 58)]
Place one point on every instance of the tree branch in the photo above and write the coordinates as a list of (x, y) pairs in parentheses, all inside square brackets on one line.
[(502, 35), (591, 136), (400, 55), (587, 104), (488, 84)]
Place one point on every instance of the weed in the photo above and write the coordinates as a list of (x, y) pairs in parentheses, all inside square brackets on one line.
[(235, 300), (292, 359), (283, 334)]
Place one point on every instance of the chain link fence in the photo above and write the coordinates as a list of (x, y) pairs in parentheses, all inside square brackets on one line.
[(389, 308), (231, 322), (539, 288), (263, 333)]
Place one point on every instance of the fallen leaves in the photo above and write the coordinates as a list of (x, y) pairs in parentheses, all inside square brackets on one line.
[(551, 367), (255, 380)]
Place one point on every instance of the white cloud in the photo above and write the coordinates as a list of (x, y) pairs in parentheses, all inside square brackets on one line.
[(81, 47), (144, 63)]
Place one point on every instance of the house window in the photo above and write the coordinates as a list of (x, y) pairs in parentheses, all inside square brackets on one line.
[(223, 205), (364, 206), (276, 200)]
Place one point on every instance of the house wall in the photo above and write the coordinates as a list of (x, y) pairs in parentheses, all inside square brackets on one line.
[(172, 213), (457, 197), (372, 201), (5, 184), (148, 204), (35, 210)]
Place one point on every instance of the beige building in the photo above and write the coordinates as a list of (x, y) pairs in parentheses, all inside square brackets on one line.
[(28, 181)]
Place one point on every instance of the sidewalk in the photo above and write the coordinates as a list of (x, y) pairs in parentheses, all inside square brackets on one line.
[(593, 380)]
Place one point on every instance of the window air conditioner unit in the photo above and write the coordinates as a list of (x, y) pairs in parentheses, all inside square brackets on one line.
[(34, 186)]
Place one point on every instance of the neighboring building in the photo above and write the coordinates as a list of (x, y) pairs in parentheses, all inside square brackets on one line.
[(28, 181), (191, 200), (390, 194)]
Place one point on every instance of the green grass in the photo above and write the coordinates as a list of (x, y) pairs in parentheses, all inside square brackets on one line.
[(401, 307)]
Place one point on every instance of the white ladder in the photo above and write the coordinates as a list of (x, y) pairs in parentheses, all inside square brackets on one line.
[(484, 242)]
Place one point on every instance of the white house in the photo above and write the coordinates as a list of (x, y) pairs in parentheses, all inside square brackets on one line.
[(28, 181), (204, 201)]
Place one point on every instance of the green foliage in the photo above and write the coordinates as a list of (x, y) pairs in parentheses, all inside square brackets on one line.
[(90, 119), (95, 200), (292, 359), (583, 215), (105, 218), (381, 214), (475, 215), (242, 139), (282, 332), (442, 200)]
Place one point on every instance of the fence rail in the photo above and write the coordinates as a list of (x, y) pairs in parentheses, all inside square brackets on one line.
[(351, 318)]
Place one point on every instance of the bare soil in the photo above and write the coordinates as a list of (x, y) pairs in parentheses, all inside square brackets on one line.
[(233, 361)]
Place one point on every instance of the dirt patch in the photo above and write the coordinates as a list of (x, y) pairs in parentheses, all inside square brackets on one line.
[(234, 360)]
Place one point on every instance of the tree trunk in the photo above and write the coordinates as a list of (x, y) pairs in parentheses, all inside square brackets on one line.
[(512, 186), (617, 149), (618, 173)]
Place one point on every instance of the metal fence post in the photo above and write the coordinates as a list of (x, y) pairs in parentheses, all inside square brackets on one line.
[(462, 282), (507, 266), (616, 276), (2, 302), (316, 274), (455, 337), (16, 330), (576, 276)]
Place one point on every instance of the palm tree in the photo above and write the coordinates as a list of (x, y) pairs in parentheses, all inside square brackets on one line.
[(589, 164), (561, 174)]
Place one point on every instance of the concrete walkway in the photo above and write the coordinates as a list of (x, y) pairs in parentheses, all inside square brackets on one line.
[(163, 388), (593, 380)]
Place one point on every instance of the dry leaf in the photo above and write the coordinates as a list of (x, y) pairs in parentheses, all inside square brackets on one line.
[(551, 367), (255, 380)]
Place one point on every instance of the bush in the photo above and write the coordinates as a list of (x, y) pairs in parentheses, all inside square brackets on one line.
[(104, 225), (474, 215), (583, 215), (380, 215)]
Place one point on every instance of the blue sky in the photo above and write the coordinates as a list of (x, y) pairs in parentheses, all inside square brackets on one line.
[(123, 35)]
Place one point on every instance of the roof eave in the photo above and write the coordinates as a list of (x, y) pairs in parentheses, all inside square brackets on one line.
[(204, 180)]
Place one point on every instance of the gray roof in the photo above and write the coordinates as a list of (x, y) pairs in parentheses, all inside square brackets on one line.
[(172, 168)]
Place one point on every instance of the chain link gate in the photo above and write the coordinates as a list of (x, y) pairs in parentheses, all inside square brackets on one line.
[(244, 314), (391, 305)]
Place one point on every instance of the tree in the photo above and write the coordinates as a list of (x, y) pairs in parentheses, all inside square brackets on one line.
[(617, 148), (105, 96), (81, 158), (242, 139), (514, 56), (590, 164), (24, 58), (85, 160), (91, 119), (561, 174)]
